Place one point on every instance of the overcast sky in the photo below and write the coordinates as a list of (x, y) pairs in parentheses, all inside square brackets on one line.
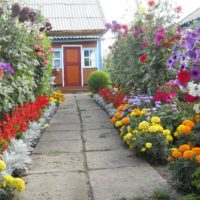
[(123, 10)]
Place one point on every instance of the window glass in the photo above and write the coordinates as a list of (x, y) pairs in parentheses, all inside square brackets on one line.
[(56, 63), (57, 59), (57, 54), (89, 58)]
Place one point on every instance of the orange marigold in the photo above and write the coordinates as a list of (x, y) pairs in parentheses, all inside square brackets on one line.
[(125, 121), (113, 120), (188, 154), (170, 158), (184, 148), (197, 118), (197, 158), (196, 150), (118, 115), (177, 154), (189, 123), (120, 108), (186, 130), (137, 112)]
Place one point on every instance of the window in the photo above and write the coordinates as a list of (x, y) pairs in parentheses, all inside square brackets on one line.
[(89, 58), (57, 58)]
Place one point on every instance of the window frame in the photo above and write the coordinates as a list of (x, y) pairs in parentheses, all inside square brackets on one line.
[(57, 59), (95, 57)]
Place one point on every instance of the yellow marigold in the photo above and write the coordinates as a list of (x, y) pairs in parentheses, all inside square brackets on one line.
[(125, 121), (155, 120), (188, 154), (135, 131), (160, 128), (118, 124), (145, 110), (169, 138), (174, 149), (8, 180), (129, 129), (189, 123), (143, 125), (184, 147), (127, 137), (118, 115), (166, 132), (143, 149), (176, 134), (2, 165), (148, 145), (19, 184), (153, 129), (176, 154), (134, 139), (197, 158), (196, 150), (179, 128)]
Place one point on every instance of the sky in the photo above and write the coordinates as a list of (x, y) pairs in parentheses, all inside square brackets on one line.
[(123, 10)]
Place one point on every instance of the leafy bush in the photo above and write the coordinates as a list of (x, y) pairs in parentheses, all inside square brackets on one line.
[(97, 80)]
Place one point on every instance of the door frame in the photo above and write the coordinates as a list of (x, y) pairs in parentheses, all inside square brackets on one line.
[(63, 65)]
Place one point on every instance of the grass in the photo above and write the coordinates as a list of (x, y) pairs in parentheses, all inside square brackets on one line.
[(161, 194)]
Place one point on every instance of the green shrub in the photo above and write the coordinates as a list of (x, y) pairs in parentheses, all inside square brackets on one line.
[(161, 194), (190, 197), (97, 80)]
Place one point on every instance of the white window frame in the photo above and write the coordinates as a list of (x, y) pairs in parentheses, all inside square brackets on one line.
[(60, 59), (95, 54)]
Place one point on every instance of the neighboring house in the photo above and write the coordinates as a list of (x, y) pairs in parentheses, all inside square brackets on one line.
[(191, 20), (78, 26)]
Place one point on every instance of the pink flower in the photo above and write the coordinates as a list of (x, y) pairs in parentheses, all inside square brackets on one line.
[(178, 9), (36, 46), (39, 37), (144, 44), (151, 3), (46, 62), (160, 34), (50, 48), (40, 54)]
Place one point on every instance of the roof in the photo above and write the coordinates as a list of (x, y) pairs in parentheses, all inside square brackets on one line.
[(75, 37), (191, 17), (72, 15)]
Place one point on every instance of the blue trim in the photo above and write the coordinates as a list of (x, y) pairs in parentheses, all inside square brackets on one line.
[(55, 41), (100, 67), (61, 56)]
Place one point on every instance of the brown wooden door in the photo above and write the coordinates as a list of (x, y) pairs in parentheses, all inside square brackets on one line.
[(72, 66)]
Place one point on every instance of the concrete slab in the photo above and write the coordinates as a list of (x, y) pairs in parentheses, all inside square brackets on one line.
[(60, 136), (126, 182), (65, 119), (58, 147), (113, 159), (56, 163), (97, 125), (55, 186), (63, 127), (95, 118)]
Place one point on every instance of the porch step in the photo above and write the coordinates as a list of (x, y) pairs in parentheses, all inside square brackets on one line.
[(73, 89)]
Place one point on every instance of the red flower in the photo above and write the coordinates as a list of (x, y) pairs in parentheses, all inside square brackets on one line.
[(183, 77), (143, 58), (151, 3), (190, 99)]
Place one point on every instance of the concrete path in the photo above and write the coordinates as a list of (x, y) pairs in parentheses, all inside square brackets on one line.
[(81, 157)]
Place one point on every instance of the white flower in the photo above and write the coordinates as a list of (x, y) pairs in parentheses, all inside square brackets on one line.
[(196, 108), (194, 89)]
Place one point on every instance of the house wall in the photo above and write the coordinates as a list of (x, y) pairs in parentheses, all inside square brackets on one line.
[(86, 71)]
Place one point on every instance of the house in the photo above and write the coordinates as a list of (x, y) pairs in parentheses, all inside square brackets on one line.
[(191, 20), (78, 26)]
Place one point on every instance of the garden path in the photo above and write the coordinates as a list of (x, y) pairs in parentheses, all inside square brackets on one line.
[(81, 157)]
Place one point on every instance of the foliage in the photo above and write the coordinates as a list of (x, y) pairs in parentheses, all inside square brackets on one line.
[(190, 197), (27, 51), (139, 54), (97, 80), (161, 194)]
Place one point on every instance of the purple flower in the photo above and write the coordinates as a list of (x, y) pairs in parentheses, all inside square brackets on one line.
[(160, 34), (144, 44), (15, 9), (108, 25), (195, 74), (170, 63), (176, 47), (1, 11), (24, 14), (183, 66), (7, 67)]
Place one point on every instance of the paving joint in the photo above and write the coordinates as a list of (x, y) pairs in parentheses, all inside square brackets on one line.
[(85, 164)]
